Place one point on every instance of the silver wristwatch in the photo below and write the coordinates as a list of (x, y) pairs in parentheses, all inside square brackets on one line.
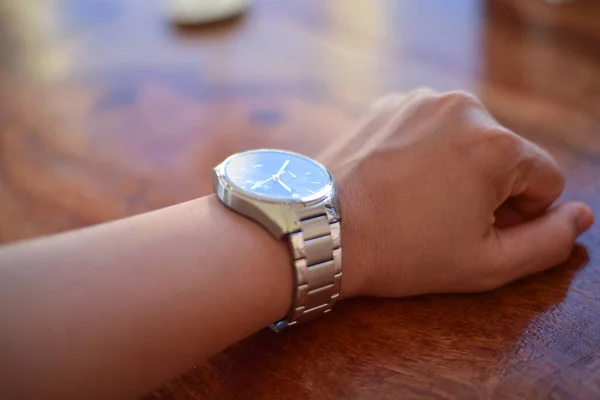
[(293, 197)]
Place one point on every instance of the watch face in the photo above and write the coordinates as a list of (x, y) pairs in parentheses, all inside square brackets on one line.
[(278, 175)]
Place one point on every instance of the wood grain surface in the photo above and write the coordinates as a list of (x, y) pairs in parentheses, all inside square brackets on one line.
[(107, 110)]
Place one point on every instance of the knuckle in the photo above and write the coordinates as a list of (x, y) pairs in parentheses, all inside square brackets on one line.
[(387, 102), (460, 99), (420, 96), (560, 180), (559, 173), (505, 145), (395, 102), (424, 92), (509, 143), (554, 174)]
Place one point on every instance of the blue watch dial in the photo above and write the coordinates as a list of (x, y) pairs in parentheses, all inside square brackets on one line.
[(278, 175)]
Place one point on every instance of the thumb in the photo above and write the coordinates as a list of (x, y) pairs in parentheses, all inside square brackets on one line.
[(540, 243)]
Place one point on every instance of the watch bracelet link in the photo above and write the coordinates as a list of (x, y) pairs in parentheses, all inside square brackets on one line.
[(317, 259)]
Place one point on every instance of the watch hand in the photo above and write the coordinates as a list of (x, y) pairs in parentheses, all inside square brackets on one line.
[(281, 171), (285, 164), (260, 183), (256, 184), (286, 187)]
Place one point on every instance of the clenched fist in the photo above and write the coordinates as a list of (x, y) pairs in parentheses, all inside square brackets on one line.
[(438, 197)]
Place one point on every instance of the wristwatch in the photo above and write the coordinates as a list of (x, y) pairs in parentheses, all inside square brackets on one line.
[(293, 197)]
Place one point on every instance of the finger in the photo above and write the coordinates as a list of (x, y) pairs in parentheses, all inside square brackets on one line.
[(538, 244), (506, 216), (539, 182)]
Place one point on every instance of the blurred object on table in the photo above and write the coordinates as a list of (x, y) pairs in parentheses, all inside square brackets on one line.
[(204, 11)]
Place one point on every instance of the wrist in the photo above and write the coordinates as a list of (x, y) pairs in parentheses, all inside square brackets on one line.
[(266, 261), (353, 247)]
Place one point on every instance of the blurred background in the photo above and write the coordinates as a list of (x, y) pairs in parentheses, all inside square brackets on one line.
[(110, 108)]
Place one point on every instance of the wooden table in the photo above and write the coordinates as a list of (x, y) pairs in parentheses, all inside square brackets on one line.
[(107, 111)]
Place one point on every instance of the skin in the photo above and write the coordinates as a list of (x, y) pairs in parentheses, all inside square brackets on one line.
[(436, 197)]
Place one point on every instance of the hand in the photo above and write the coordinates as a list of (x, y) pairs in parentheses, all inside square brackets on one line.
[(438, 197)]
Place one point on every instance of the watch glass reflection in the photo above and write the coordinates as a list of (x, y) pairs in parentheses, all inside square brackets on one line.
[(278, 175)]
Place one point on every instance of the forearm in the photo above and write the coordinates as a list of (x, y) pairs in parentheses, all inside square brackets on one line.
[(112, 310)]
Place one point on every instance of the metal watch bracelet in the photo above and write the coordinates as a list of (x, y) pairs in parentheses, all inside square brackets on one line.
[(317, 258)]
